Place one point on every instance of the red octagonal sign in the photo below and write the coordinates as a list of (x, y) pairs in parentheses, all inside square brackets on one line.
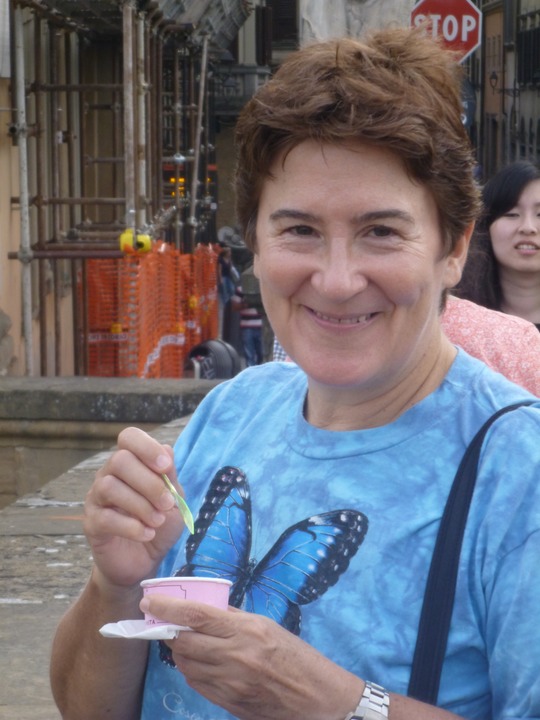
[(457, 22)]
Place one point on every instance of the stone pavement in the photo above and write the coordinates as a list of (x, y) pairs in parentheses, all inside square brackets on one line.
[(45, 563)]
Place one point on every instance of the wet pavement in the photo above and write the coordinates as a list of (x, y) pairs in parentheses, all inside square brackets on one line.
[(45, 563)]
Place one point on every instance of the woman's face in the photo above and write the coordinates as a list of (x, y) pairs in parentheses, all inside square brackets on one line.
[(515, 236), (349, 257)]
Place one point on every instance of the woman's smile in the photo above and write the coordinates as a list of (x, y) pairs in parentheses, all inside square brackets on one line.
[(527, 248), (342, 320)]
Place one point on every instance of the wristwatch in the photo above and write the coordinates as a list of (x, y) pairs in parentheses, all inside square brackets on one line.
[(373, 704)]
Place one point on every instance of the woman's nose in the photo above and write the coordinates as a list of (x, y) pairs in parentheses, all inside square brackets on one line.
[(530, 223), (340, 276)]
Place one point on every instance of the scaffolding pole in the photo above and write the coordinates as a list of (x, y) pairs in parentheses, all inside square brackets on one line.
[(129, 116), (67, 198), (141, 118), (197, 149), (25, 252)]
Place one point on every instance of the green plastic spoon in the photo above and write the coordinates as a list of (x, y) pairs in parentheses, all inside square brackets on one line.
[(182, 505)]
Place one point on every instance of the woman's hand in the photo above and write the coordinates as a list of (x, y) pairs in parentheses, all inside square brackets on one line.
[(131, 519), (253, 667)]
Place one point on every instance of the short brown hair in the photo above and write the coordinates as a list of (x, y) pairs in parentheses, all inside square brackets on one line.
[(397, 89)]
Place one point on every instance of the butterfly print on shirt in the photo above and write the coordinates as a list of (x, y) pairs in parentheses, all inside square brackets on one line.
[(307, 559)]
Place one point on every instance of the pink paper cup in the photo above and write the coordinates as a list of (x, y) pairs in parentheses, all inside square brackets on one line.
[(210, 591)]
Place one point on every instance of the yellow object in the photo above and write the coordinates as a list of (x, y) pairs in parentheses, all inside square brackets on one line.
[(126, 240), (144, 243), (130, 242), (116, 327)]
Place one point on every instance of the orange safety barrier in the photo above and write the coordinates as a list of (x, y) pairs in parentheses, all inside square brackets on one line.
[(103, 328), (146, 311)]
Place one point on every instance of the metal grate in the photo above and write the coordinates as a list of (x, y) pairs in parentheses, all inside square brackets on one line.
[(103, 17), (220, 19)]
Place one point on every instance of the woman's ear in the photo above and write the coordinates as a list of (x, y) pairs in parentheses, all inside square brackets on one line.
[(256, 262), (455, 262)]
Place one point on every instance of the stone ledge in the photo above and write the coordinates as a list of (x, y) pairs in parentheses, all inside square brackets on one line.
[(55, 507), (49, 424), (121, 400)]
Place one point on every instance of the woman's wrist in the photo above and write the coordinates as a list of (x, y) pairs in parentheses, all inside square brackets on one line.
[(120, 600), (343, 698)]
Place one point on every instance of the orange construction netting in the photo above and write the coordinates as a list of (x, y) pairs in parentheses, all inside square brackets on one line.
[(147, 310)]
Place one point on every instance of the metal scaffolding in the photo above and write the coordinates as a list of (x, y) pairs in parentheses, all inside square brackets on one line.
[(112, 121)]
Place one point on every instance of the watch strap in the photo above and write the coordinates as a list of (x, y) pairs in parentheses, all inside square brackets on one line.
[(373, 704)]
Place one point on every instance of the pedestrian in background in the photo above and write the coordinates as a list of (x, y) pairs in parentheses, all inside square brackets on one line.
[(503, 268), (228, 277), (251, 328)]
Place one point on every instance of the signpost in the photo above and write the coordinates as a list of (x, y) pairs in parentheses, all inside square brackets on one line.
[(457, 22)]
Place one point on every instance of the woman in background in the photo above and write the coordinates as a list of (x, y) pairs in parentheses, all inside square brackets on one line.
[(503, 268)]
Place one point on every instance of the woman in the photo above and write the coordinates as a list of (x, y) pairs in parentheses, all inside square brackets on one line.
[(503, 270), (320, 484)]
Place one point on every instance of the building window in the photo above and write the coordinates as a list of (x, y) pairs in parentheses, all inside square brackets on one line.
[(509, 14), (284, 21), (528, 54)]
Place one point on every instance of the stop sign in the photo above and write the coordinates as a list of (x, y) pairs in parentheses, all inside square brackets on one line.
[(457, 22)]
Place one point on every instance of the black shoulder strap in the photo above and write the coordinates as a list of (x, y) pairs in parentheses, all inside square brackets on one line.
[(441, 584)]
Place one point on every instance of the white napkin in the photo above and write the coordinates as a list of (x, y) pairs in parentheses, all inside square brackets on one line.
[(139, 629)]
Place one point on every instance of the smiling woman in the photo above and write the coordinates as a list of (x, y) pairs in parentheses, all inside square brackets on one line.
[(320, 484), (503, 270)]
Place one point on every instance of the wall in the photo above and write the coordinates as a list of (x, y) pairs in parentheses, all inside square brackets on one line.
[(10, 270), (320, 19), (493, 101), (48, 425)]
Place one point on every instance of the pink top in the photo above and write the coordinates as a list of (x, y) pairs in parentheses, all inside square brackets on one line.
[(508, 344)]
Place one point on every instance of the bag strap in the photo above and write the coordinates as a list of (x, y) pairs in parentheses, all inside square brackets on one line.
[(441, 583)]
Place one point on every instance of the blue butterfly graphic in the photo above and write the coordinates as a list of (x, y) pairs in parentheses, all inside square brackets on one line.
[(304, 562)]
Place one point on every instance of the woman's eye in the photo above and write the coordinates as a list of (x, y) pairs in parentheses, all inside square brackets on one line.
[(304, 230), (382, 231)]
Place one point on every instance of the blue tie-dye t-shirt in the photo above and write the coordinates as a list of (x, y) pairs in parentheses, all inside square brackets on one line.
[(333, 532)]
